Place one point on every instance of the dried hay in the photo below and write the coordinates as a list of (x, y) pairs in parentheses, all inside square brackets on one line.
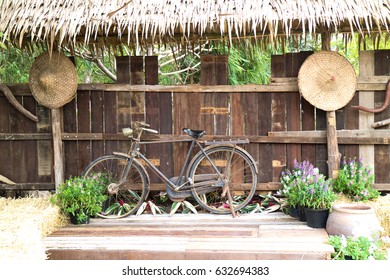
[(24, 223)]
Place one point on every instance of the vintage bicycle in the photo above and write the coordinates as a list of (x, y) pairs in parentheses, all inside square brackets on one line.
[(221, 176)]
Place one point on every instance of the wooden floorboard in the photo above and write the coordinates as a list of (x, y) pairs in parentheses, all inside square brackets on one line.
[(203, 236)]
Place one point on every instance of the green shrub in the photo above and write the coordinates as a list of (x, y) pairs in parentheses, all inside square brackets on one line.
[(357, 248), (355, 181), (81, 197)]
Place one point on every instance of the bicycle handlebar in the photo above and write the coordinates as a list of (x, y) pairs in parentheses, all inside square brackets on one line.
[(150, 130)]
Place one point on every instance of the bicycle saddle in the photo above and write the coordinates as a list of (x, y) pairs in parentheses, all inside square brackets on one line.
[(194, 133)]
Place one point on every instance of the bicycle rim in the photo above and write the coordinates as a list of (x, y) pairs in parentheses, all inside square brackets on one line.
[(238, 171), (123, 198)]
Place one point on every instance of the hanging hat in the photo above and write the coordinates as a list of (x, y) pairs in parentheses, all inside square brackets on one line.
[(53, 80), (327, 80)]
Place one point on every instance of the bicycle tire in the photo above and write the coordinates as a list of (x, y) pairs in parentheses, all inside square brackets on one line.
[(242, 179), (122, 199)]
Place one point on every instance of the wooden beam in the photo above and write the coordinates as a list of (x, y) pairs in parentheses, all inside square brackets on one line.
[(57, 147), (372, 83), (365, 137), (28, 186)]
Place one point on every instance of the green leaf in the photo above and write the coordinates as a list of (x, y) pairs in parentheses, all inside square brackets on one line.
[(154, 208), (112, 208), (134, 194), (190, 206), (175, 206), (141, 209)]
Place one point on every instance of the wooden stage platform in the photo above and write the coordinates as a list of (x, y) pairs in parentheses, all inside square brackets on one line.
[(272, 236)]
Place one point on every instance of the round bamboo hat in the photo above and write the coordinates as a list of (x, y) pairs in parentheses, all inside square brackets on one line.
[(53, 79), (327, 80)]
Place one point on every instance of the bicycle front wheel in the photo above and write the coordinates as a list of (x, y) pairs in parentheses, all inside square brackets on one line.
[(238, 175), (126, 190)]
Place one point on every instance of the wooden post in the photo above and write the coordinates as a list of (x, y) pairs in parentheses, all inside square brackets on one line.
[(333, 148), (57, 147), (366, 99)]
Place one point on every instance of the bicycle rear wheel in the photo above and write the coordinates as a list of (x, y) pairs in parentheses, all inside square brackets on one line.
[(238, 171), (125, 195)]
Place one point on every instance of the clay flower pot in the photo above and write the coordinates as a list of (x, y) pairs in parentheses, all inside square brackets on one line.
[(353, 220)]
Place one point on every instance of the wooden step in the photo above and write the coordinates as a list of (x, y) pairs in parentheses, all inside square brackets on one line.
[(204, 236)]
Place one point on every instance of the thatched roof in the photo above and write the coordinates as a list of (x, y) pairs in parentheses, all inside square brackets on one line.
[(143, 22)]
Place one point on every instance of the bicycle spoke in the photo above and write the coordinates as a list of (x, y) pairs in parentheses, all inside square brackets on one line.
[(125, 193), (238, 174)]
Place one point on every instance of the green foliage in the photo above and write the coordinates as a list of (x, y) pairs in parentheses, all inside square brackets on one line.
[(355, 181), (81, 197), (262, 204), (186, 206), (152, 207), (357, 248), (247, 64), (14, 64), (304, 186)]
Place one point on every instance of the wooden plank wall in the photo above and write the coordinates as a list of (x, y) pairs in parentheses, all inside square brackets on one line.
[(104, 113)]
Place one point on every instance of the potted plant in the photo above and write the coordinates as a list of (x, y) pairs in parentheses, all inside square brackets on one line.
[(80, 198), (318, 197), (306, 188), (292, 181), (355, 181)]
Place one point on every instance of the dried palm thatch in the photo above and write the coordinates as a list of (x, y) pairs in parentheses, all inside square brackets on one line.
[(24, 222), (182, 22)]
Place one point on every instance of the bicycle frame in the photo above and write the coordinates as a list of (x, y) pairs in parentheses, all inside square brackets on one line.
[(134, 153)]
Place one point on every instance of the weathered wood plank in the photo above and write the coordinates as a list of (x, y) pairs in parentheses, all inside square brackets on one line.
[(97, 122), (137, 76), (382, 152), (367, 83), (264, 236), (366, 99), (70, 147), (29, 126), (278, 117), (28, 186), (44, 146), (5, 146), (221, 101), (84, 148)]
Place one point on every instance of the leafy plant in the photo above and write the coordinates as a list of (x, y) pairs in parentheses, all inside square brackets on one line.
[(357, 248), (153, 208), (266, 204), (186, 206), (355, 181), (81, 197), (304, 186)]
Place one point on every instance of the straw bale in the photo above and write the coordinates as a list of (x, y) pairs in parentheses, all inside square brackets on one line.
[(24, 223)]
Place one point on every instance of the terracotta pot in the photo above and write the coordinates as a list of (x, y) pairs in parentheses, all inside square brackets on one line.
[(353, 220)]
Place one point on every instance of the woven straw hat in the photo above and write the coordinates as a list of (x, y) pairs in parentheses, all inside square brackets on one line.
[(53, 80), (327, 80)]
